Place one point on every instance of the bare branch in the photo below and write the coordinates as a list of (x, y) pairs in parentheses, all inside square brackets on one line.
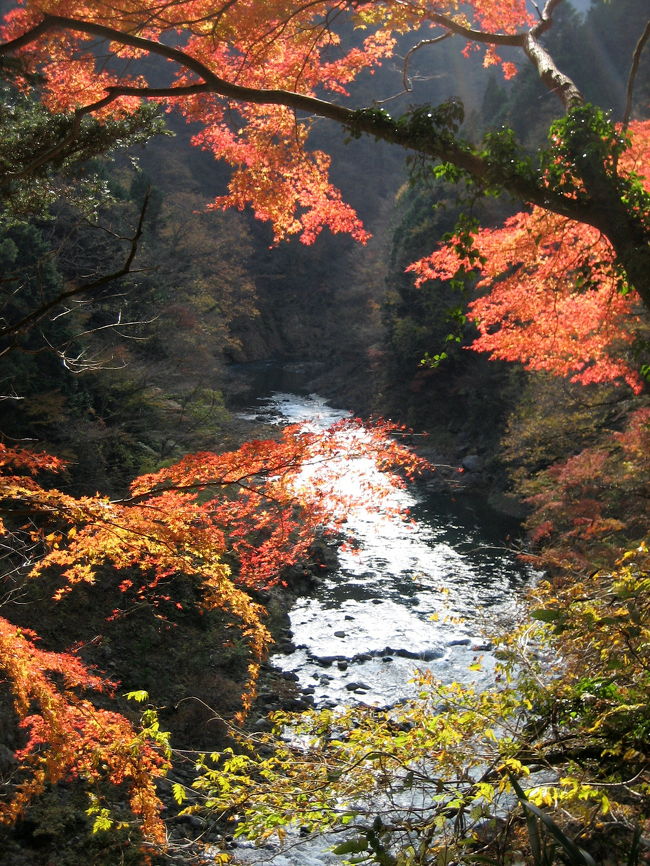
[(37, 315), (556, 80), (81, 363), (421, 44)]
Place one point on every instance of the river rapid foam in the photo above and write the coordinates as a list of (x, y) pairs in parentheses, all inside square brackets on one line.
[(410, 595)]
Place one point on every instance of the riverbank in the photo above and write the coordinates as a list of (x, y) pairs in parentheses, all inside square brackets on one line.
[(359, 625)]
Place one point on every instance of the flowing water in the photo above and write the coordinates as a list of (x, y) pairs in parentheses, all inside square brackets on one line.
[(413, 595)]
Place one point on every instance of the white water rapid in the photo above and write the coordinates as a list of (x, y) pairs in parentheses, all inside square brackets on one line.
[(414, 595)]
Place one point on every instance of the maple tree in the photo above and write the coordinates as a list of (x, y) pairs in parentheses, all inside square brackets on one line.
[(555, 300), (68, 736), (230, 522)]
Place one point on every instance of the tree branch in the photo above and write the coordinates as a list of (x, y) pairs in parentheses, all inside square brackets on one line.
[(636, 59), (556, 81), (407, 57), (212, 82), (464, 158), (512, 39), (37, 315)]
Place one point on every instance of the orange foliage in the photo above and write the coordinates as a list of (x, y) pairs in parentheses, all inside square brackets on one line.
[(68, 736), (591, 506), (30, 461), (271, 46), (554, 300), (228, 521)]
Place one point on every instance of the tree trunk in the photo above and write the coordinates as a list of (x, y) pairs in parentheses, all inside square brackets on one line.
[(633, 254)]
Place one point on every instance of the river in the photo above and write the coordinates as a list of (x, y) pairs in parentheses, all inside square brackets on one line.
[(412, 595)]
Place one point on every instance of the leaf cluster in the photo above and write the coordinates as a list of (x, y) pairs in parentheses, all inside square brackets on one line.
[(591, 505), (228, 522)]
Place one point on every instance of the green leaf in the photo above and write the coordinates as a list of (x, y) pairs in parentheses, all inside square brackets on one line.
[(140, 696)]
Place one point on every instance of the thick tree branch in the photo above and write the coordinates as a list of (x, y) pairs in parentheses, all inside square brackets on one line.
[(70, 138), (212, 82), (636, 60), (556, 81)]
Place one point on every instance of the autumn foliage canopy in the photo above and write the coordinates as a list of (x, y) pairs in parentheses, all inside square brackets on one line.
[(230, 522), (256, 77)]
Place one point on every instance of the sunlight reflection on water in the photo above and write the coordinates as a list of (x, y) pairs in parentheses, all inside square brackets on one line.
[(413, 595)]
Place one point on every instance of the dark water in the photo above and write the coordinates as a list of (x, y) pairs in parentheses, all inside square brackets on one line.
[(256, 380)]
